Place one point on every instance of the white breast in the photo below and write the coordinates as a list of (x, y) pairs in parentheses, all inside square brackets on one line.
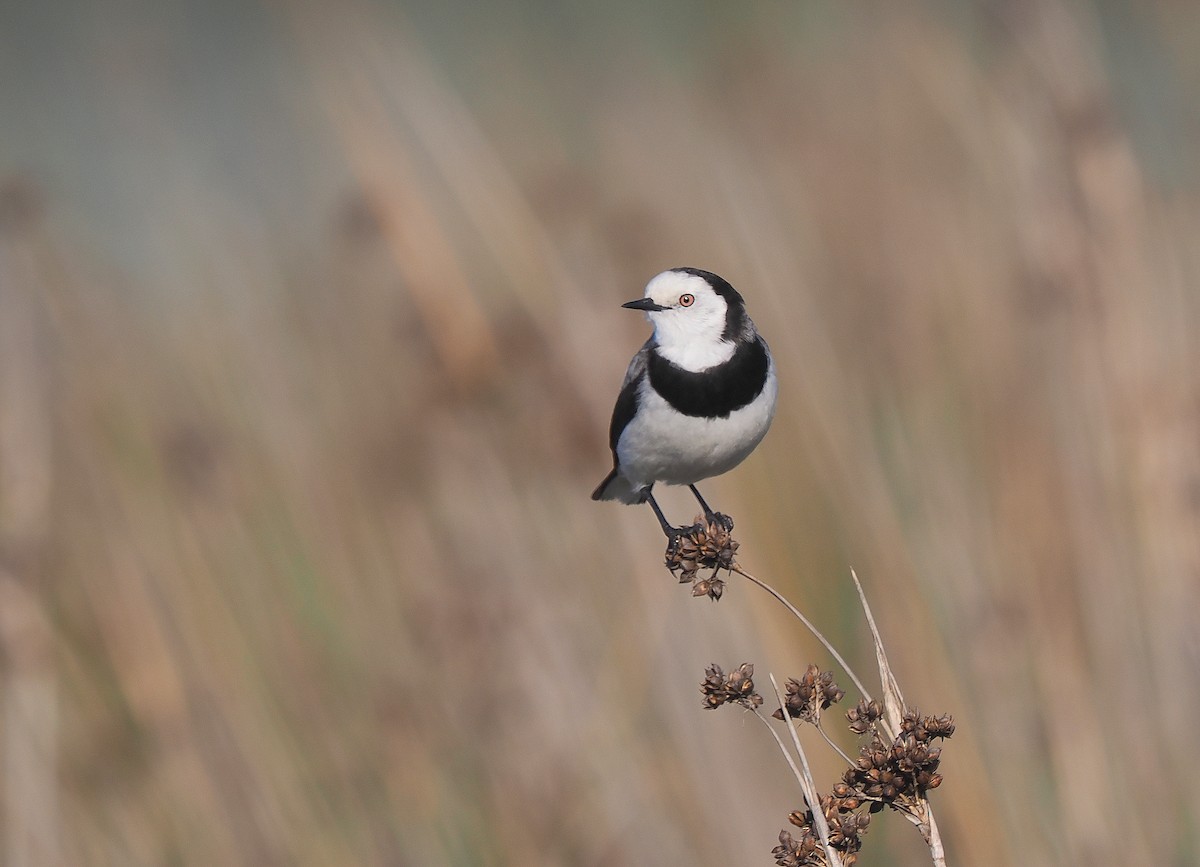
[(661, 444)]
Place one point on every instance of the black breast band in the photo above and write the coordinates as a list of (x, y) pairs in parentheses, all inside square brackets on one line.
[(716, 392)]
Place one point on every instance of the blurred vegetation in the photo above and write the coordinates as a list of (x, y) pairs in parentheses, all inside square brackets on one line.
[(309, 333)]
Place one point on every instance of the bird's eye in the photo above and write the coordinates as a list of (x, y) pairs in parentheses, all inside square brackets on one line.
[(686, 300)]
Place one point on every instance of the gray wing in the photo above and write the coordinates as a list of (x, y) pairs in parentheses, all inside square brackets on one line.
[(627, 400)]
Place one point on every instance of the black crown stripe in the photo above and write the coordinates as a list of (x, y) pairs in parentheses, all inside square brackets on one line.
[(735, 307)]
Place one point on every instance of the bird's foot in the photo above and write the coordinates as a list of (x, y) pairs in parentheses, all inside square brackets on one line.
[(719, 520), (675, 537)]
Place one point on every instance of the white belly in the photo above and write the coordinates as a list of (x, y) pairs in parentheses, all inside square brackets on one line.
[(663, 445)]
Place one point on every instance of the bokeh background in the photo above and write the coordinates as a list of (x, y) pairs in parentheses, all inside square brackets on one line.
[(309, 335)]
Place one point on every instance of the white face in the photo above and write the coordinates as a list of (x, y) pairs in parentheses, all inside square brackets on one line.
[(689, 331)]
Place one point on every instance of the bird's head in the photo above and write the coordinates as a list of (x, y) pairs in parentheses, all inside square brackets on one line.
[(698, 317)]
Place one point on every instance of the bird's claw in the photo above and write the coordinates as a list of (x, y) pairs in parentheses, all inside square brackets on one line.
[(720, 520)]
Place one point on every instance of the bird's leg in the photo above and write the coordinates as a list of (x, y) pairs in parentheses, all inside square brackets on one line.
[(711, 516), (672, 532), (708, 513)]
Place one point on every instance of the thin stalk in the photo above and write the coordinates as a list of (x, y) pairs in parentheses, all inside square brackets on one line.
[(835, 747), (809, 785), (791, 762), (808, 625)]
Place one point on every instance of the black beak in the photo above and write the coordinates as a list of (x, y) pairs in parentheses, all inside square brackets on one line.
[(643, 304)]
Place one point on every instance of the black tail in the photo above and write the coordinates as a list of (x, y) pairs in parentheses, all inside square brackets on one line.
[(596, 494)]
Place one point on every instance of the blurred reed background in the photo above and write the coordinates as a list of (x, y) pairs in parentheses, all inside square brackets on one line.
[(309, 334)]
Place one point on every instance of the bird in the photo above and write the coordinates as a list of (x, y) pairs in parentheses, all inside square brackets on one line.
[(697, 398)]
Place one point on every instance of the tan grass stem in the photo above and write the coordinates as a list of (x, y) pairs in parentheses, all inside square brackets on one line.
[(808, 624)]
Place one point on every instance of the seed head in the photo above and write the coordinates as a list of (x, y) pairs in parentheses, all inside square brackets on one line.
[(845, 830), (704, 545), (737, 687), (864, 716), (807, 697), (900, 772)]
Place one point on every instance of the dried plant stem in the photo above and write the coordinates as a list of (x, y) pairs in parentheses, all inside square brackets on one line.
[(832, 745), (893, 700), (895, 774), (893, 703), (808, 625), (783, 749), (922, 819), (934, 838), (808, 785)]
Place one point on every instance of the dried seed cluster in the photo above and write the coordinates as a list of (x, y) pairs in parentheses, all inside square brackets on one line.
[(807, 697), (901, 772), (737, 687), (895, 774), (864, 716), (704, 545), (846, 827)]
